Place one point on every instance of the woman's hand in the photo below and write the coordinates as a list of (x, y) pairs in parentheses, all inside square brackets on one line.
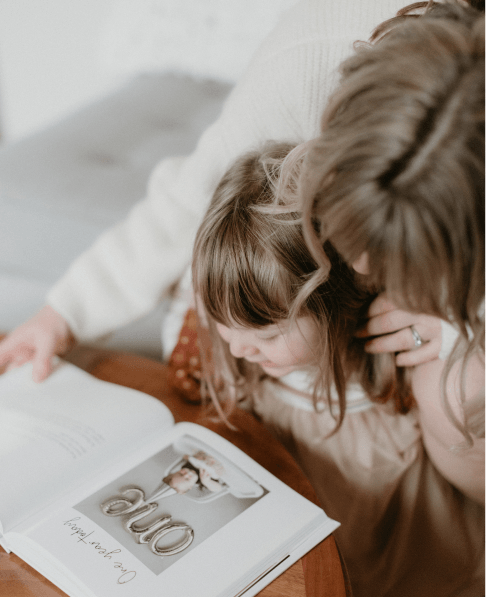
[(38, 340), (390, 329)]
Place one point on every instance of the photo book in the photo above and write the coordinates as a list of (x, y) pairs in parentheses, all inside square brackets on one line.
[(104, 495)]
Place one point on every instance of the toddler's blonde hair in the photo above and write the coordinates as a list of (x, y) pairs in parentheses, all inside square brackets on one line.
[(251, 262)]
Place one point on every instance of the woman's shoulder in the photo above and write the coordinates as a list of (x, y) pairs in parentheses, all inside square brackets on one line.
[(299, 60), (311, 21)]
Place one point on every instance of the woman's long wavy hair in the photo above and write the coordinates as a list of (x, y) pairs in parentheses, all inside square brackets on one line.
[(251, 261), (398, 171)]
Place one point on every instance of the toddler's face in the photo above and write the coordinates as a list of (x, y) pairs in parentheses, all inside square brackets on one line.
[(279, 349), (183, 480)]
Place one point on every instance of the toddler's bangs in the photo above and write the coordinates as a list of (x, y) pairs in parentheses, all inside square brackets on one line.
[(242, 282)]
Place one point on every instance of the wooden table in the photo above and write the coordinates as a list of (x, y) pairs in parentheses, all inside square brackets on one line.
[(320, 573)]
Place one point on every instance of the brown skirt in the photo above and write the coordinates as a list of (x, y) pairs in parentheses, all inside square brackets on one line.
[(405, 531)]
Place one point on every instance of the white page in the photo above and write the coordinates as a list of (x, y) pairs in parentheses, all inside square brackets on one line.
[(57, 434), (248, 528)]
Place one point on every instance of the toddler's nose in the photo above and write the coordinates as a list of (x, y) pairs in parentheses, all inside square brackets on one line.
[(241, 349)]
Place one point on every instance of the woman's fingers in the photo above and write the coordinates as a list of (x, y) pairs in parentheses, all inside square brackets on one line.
[(410, 358), (387, 323), (415, 337), (9, 351), (42, 361), (402, 342), (38, 339), (396, 342), (21, 356), (381, 305)]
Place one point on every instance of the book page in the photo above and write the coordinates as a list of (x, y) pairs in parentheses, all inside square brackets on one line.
[(58, 434), (196, 517)]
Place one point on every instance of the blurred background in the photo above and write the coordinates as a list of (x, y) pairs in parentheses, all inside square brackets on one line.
[(93, 94), (57, 55)]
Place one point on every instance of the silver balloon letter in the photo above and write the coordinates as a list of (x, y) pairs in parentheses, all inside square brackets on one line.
[(119, 504), (185, 542)]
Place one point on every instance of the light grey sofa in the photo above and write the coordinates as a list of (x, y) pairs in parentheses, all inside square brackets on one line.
[(61, 187)]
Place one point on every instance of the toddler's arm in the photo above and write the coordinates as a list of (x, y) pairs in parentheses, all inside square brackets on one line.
[(37, 340), (463, 467)]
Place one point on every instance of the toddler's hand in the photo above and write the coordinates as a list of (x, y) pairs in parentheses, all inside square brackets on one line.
[(204, 476), (390, 330), (37, 340)]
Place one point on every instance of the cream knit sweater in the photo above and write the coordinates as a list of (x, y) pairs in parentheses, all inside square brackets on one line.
[(280, 97)]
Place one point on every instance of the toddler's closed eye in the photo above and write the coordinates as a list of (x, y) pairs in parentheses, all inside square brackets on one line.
[(270, 338)]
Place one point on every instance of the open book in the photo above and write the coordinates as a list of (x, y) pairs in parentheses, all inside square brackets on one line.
[(105, 496)]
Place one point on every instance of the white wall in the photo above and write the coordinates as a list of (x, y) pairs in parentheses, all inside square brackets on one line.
[(49, 60), (55, 55)]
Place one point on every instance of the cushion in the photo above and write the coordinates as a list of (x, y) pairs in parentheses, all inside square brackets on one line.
[(61, 187)]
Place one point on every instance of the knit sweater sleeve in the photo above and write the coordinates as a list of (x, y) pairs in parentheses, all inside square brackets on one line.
[(281, 96)]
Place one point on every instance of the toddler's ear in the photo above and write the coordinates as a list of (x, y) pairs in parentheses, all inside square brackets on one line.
[(361, 265)]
